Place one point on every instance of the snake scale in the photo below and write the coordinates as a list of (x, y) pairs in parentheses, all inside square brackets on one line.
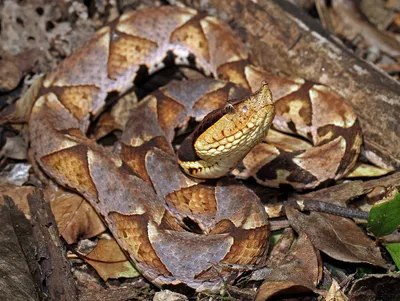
[(175, 228)]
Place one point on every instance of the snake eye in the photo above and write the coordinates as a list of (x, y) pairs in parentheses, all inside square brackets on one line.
[(230, 108), (244, 109)]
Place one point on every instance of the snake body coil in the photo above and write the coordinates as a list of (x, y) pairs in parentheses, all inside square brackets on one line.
[(142, 194)]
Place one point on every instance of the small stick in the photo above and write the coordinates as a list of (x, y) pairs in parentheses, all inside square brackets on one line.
[(318, 206)]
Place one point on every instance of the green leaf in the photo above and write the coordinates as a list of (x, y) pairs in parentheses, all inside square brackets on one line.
[(394, 250), (384, 218), (274, 237)]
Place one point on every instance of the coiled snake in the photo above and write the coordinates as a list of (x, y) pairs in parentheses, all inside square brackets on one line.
[(152, 208)]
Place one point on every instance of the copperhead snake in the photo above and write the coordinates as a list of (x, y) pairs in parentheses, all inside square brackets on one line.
[(140, 190)]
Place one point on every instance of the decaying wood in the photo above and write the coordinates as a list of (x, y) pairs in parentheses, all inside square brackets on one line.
[(284, 39), (32, 253), (16, 281), (56, 277)]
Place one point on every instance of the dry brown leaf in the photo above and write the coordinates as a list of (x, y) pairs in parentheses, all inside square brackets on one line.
[(281, 248), (19, 195), (109, 261), (41, 25), (167, 295), (341, 194), (338, 237), (10, 75), (15, 174), (21, 109), (393, 4), (17, 243), (345, 18), (14, 67), (367, 170), (305, 4), (376, 287), (74, 216), (377, 13), (335, 294), (299, 272), (15, 148)]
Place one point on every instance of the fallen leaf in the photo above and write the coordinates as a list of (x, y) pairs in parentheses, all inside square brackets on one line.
[(19, 194), (167, 295), (16, 281), (367, 170), (281, 248), (299, 272), (384, 218), (377, 13), (10, 74), (20, 110), (109, 261), (335, 293), (75, 217), (338, 237), (15, 148), (344, 18), (53, 269), (393, 4), (376, 287), (15, 174)]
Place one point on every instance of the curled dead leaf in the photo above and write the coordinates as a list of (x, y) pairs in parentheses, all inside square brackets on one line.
[(19, 194), (281, 248), (14, 67), (299, 272), (15, 148), (335, 293), (17, 243), (345, 18), (74, 216), (15, 174), (20, 110), (376, 287), (109, 261), (338, 237), (10, 75), (167, 295), (367, 170)]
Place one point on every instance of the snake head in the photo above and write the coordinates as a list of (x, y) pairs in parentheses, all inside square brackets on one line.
[(226, 135), (257, 107)]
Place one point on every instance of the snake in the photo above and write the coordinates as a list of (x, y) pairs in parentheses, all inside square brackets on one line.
[(178, 218)]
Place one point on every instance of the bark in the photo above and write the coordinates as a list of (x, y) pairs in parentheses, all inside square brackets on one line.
[(32, 262), (286, 40), (55, 273)]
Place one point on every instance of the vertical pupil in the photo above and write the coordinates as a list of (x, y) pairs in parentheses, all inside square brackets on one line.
[(229, 108)]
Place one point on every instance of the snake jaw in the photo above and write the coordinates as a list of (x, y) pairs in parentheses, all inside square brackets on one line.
[(231, 137)]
